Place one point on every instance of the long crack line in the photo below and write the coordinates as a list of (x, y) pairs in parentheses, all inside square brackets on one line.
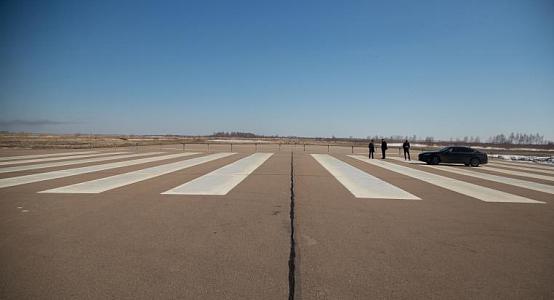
[(292, 256)]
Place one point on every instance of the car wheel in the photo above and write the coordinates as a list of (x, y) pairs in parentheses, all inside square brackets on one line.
[(435, 160), (474, 162)]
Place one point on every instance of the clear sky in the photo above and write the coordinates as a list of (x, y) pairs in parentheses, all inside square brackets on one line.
[(309, 68)]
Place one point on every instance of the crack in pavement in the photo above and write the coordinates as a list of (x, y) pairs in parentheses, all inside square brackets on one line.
[(292, 256)]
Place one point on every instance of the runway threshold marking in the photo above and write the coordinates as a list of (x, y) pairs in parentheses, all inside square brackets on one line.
[(222, 180), (112, 182), (523, 164), (44, 155), (465, 188), (72, 162), (467, 171), (19, 180), (543, 171), (360, 183), (15, 162), (518, 173)]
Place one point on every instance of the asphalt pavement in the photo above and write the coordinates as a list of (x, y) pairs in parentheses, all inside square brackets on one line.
[(115, 234)]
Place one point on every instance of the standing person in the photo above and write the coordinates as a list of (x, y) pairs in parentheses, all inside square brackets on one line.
[(383, 148), (406, 147), (371, 147)]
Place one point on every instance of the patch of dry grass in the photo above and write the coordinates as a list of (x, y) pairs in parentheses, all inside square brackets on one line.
[(76, 141)]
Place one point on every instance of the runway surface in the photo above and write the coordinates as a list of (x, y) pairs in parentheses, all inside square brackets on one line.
[(167, 223)]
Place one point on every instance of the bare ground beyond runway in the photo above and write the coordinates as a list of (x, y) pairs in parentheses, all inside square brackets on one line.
[(134, 243)]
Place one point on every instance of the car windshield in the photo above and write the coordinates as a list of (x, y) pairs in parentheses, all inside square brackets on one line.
[(444, 149)]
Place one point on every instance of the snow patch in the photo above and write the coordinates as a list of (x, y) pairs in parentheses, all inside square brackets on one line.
[(545, 160), (515, 149)]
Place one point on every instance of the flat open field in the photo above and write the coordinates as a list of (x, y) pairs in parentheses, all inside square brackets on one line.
[(163, 222), (25, 141)]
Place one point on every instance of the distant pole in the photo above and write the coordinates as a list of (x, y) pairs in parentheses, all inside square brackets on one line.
[(137, 146), (231, 147), (304, 147), (208, 147), (327, 148), (352, 149)]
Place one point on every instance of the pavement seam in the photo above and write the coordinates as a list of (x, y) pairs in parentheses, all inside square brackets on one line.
[(292, 256)]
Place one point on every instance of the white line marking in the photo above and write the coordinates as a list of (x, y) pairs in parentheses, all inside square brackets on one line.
[(359, 183), (71, 162), (487, 167), (44, 155), (458, 186), (545, 188), (12, 162), (522, 168), (112, 182), (222, 180), (19, 180), (68, 162), (523, 164), (413, 162), (517, 173), (467, 171)]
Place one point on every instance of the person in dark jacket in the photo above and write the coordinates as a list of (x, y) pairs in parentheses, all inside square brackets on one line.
[(371, 147), (383, 148), (406, 147)]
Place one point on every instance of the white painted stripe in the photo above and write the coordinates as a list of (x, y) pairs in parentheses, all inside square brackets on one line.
[(112, 182), (468, 171), (502, 179), (66, 159), (523, 164), (518, 173), (72, 162), (458, 186), (222, 180), (413, 162), (19, 180), (15, 162), (499, 170), (522, 168), (359, 183), (44, 155)]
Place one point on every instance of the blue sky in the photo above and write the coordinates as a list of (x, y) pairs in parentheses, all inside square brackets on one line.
[(309, 68)]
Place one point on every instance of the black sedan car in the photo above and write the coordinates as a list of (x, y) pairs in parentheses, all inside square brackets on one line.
[(455, 154)]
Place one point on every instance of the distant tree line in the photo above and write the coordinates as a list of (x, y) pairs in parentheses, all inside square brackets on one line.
[(400, 138), (518, 138), (235, 134), (512, 138), (467, 139)]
